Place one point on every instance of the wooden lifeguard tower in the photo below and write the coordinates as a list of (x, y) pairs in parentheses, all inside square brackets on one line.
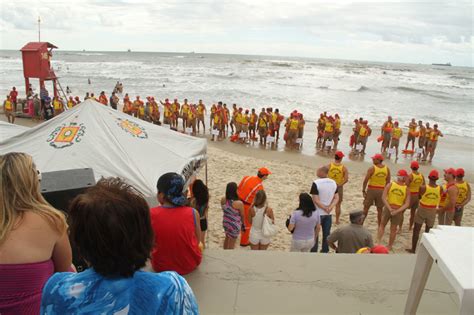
[(37, 64)]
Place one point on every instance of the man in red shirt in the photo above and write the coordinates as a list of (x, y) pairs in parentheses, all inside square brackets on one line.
[(13, 95), (176, 228), (247, 189)]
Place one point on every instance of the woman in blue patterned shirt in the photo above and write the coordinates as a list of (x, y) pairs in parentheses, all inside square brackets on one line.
[(110, 226)]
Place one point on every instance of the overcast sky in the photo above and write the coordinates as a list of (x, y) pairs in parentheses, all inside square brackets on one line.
[(399, 31)]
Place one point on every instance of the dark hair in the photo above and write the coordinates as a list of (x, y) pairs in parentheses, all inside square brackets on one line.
[(200, 193), (260, 198), (231, 191), (110, 227), (337, 158), (306, 205)]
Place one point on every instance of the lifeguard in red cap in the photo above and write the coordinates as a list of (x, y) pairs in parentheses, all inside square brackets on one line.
[(386, 132), (378, 176), (397, 133), (412, 134), (433, 141), (464, 196), (396, 199), (247, 189), (339, 173), (446, 214), (414, 182), (364, 132), (426, 213)]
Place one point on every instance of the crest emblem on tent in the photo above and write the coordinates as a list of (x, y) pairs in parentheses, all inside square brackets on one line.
[(65, 136), (132, 128)]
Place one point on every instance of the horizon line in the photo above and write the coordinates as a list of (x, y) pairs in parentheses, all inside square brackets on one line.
[(253, 55)]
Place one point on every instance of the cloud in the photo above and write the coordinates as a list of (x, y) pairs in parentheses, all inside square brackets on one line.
[(444, 26)]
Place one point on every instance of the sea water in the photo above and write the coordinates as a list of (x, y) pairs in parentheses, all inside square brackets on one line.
[(353, 89)]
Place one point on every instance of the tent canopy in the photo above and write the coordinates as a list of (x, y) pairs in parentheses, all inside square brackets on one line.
[(112, 143), (8, 130)]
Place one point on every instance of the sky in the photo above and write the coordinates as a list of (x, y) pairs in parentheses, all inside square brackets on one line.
[(392, 31)]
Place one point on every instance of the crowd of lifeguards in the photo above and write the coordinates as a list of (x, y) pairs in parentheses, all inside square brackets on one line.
[(391, 134), (243, 125)]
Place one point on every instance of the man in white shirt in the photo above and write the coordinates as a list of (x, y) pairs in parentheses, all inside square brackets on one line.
[(325, 198)]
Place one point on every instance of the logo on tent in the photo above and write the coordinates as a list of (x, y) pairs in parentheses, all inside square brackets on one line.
[(132, 128), (65, 136)]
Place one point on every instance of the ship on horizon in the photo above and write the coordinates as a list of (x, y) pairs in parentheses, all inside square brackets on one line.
[(442, 64)]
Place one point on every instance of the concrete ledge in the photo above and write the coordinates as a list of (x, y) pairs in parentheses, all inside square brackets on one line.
[(246, 282)]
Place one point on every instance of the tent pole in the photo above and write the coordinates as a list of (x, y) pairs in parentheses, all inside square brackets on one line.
[(206, 172)]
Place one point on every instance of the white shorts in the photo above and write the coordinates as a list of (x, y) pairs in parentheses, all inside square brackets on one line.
[(256, 237), (301, 245)]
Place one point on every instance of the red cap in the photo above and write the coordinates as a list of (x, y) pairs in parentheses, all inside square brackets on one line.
[(378, 156), (460, 172), (433, 174), (402, 173), (379, 249), (339, 154), (414, 165), (451, 171), (264, 171)]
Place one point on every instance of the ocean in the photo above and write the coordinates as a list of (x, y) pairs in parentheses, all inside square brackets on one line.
[(373, 90)]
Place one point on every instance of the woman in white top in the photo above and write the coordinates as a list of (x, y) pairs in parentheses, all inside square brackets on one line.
[(257, 212)]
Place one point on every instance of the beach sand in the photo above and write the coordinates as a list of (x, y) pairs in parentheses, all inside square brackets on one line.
[(293, 173)]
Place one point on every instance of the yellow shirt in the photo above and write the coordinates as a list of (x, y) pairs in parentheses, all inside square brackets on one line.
[(397, 133), (378, 180), (141, 110), (244, 119), (397, 194), (462, 192), (185, 109), (428, 132), (328, 127), (336, 172), (363, 132), (253, 118), (190, 114), (8, 105), (294, 123), (200, 109), (274, 118), (70, 104), (262, 122), (57, 105), (431, 198), (416, 183), (338, 124), (434, 135), (238, 118)]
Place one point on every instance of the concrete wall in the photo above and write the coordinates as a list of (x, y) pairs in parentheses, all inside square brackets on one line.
[(246, 282)]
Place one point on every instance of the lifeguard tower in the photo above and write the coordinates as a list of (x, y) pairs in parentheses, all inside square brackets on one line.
[(37, 64)]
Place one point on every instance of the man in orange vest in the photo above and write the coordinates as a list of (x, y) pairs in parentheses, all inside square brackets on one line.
[(248, 188)]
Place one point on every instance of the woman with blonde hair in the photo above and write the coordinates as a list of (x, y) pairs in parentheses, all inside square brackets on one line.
[(33, 237)]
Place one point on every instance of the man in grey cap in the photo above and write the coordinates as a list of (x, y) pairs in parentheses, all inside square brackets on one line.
[(351, 237)]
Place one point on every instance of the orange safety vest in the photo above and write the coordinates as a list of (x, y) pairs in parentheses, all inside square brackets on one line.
[(248, 188)]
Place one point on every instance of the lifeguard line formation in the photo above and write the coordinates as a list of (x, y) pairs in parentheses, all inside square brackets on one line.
[(244, 126)]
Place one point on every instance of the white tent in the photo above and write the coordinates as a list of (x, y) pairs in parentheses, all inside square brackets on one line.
[(112, 143), (8, 130)]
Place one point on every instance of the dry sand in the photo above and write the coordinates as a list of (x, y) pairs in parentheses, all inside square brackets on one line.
[(290, 177)]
